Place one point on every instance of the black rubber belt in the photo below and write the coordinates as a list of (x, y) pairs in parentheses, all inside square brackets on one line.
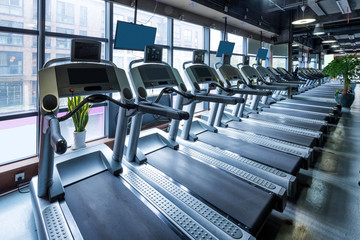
[(289, 122), (273, 133), (302, 107), (295, 113), (247, 204), (104, 208), (282, 161)]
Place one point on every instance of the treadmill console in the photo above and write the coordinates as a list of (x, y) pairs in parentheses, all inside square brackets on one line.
[(153, 54), (199, 56), (202, 74), (84, 77), (225, 59), (154, 75)]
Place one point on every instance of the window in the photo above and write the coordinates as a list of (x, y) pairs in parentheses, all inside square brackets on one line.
[(63, 43), (11, 7), (279, 62), (238, 40), (64, 30), (122, 13), (186, 38), (10, 141), (9, 38), (65, 12), (83, 16), (10, 92), (215, 38), (187, 35), (11, 63), (82, 32)]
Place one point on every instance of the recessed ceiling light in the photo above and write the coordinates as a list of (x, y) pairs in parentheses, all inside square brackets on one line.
[(328, 41), (319, 29), (335, 46), (303, 21)]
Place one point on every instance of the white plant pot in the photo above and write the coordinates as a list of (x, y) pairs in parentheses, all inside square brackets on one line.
[(79, 140)]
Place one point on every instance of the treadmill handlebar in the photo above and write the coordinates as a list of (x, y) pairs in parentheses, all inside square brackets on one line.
[(58, 142), (219, 99), (165, 111), (252, 92)]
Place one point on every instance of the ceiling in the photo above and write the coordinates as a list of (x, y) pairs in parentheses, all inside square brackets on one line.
[(274, 17)]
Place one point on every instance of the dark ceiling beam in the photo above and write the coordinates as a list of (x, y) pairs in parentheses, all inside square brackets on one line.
[(347, 40), (243, 11), (286, 7)]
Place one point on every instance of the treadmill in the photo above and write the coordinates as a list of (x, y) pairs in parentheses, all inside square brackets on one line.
[(88, 193), (229, 73), (205, 138), (284, 105), (239, 201)]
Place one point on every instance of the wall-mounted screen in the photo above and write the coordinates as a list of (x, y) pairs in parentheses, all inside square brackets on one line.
[(262, 53), (131, 36), (225, 48)]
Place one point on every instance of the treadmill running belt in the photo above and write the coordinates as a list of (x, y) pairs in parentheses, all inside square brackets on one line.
[(286, 121), (282, 161), (245, 203), (302, 107), (273, 133), (296, 113), (104, 208)]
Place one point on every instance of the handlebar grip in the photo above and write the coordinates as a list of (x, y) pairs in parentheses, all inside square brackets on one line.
[(58, 142), (219, 99), (163, 111), (252, 92)]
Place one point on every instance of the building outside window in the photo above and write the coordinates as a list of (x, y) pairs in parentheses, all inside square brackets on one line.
[(65, 12), (279, 62), (83, 16), (11, 7), (188, 30)]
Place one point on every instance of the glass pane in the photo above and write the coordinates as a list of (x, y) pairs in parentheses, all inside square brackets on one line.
[(94, 129), (126, 14), (188, 35), (279, 62), (252, 60), (215, 38), (235, 60), (18, 14), (122, 58), (214, 59), (10, 141), (18, 83), (82, 17), (238, 40), (179, 57)]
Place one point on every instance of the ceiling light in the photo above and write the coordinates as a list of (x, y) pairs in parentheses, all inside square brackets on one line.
[(303, 20), (328, 41), (295, 44), (319, 29), (338, 50), (335, 46)]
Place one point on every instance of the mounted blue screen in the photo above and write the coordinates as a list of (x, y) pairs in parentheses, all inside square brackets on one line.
[(225, 48), (262, 54), (130, 36)]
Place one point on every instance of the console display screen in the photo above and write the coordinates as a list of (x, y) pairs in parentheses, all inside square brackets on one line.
[(157, 74), (86, 50), (203, 72), (87, 75)]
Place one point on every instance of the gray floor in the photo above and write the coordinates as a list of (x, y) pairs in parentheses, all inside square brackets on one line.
[(327, 206)]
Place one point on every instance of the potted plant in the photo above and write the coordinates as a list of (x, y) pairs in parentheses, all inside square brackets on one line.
[(80, 119), (347, 67)]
